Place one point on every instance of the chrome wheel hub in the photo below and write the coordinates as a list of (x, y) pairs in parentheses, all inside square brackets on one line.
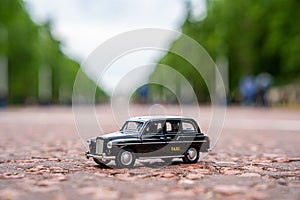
[(192, 154), (126, 158)]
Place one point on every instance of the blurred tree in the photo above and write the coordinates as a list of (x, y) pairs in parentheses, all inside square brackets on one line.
[(18, 45), (37, 69), (255, 36)]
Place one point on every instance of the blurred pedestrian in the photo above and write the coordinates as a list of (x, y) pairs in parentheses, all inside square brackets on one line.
[(143, 93), (263, 82), (248, 90)]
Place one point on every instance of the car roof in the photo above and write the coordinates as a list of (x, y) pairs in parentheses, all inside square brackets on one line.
[(151, 118)]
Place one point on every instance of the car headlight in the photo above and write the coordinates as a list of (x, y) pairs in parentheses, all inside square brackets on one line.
[(89, 141), (109, 145)]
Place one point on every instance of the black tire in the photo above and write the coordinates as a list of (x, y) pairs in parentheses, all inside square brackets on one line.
[(125, 158), (100, 162), (191, 155)]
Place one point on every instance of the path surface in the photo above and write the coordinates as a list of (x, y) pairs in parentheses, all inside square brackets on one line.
[(257, 157)]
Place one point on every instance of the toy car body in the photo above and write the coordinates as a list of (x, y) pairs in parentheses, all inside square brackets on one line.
[(150, 137)]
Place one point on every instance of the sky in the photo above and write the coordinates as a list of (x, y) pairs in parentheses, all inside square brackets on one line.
[(83, 25)]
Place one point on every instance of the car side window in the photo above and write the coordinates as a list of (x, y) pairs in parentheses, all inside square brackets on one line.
[(168, 127), (188, 127), (172, 127), (154, 128)]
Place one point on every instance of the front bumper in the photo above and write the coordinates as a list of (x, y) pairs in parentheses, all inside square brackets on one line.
[(100, 157)]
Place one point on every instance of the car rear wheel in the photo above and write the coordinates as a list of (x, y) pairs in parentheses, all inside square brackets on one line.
[(125, 158), (191, 155)]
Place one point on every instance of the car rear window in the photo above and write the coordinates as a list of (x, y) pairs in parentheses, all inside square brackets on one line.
[(188, 127)]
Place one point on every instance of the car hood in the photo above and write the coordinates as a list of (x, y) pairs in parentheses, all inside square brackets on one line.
[(119, 135)]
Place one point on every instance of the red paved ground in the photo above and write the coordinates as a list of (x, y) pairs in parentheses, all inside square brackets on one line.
[(42, 157)]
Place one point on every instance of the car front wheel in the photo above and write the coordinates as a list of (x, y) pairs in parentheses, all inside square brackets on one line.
[(191, 155), (125, 159)]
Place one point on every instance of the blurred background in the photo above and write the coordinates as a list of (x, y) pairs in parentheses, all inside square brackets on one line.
[(255, 44)]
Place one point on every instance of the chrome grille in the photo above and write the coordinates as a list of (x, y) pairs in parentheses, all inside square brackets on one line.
[(93, 146), (99, 146)]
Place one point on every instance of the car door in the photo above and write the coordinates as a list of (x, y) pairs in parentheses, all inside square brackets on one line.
[(186, 135), (153, 139), (172, 131)]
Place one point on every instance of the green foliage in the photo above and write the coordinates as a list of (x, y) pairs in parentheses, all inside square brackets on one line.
[(33, 56), (255, 36), (184, 68)]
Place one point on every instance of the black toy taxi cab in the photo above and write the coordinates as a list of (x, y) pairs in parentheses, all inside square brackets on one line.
[(164, 137)]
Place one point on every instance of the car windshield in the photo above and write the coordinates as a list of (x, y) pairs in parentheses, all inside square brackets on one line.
[(131, 126)]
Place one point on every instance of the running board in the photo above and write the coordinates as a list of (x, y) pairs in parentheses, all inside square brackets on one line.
[(160, 157)]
